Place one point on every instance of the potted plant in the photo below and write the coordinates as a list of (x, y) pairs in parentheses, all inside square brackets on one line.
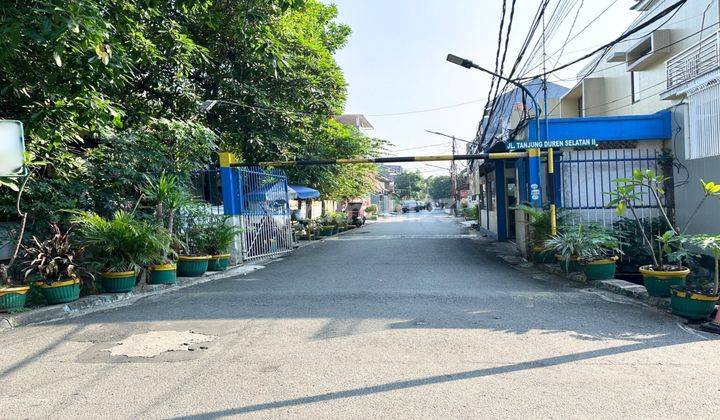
[(571, 245), (193, 259), (371, 211), (666, 249), (165, 195), (599, 253), (217, 242), (540, 231), (694, 302), (119, 247), (54, 260), (341, 221), (327, 224)]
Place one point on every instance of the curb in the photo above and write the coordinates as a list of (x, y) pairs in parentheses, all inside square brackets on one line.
[(326, 238), (511, 256), (95, 303)]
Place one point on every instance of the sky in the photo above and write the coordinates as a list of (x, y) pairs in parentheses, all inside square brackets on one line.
[(394, 62)]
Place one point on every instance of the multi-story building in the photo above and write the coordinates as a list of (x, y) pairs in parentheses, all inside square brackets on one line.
[(673, 67), (651, 101)]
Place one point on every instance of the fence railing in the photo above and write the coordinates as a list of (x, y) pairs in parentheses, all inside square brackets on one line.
[(695, 61), (587, 180)]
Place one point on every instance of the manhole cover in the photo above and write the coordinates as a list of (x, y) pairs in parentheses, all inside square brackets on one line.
[(154, 343)]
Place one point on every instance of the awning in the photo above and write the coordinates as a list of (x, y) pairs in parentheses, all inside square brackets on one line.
[(297, 192)]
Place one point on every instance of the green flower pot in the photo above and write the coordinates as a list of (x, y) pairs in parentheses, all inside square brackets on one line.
[(162, 274), (192, 266), (658, 283), (61, 291), (121, 282), (13, 298), (694, 306), (327, 232), (600, 269), (219, 262)]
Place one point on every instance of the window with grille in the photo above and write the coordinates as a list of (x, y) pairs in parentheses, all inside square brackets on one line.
[(702, 138)]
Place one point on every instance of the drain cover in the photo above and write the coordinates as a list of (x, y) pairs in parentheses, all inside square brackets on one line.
[(154, 343)]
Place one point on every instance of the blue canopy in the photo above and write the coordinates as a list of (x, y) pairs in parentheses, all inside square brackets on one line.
[(302, 193)]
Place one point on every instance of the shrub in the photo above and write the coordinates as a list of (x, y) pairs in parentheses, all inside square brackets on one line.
[(217, 236), (120, 243)]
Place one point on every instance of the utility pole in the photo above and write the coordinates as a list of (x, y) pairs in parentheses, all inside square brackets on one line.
[(453, 176), (453, 167)]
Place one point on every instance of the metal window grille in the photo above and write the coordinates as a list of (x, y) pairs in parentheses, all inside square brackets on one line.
[(587, 178), (703, 134)]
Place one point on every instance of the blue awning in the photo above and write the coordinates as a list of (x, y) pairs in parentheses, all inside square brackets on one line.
[(302, 193)]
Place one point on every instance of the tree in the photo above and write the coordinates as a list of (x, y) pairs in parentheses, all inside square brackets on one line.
[(337, 141), (409, 185), (439, 187), (108, 91)]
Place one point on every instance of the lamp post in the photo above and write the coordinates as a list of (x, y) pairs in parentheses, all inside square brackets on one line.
[(470, 65), (533, 154)]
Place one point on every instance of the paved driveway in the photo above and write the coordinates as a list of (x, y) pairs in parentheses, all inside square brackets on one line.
[(409, 317)]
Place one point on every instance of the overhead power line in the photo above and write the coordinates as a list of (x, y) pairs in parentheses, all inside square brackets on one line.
[(638, 28)]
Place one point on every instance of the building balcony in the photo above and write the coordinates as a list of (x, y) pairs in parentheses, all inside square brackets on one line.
[(692, 66)]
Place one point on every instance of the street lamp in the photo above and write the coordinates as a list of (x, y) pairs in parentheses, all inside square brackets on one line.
[(534, 161), (470, 65)]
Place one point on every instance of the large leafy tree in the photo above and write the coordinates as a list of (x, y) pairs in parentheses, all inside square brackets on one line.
[(337, 141), (274, 61), (439, 187), (109, 90), (409, 185)]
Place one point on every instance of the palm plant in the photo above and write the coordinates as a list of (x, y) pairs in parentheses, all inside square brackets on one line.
[(218, 236), (167, 194), (584, 242), (121, 243), (540, 224)]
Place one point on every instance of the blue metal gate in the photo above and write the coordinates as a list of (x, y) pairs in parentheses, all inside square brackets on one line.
[(587, 177), (258, 199), (265, 213)]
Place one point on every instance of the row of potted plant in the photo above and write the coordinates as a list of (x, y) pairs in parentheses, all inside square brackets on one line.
[(371, 212), (125, 248), (595, 249), (332, 223)]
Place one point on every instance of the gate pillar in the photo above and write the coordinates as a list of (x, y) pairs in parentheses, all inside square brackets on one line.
[(232, 202)]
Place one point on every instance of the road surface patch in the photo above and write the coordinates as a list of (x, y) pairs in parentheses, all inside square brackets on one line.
[(155, 343)]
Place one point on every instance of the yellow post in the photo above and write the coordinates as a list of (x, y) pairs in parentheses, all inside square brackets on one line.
[(551, 176), (227, 159)]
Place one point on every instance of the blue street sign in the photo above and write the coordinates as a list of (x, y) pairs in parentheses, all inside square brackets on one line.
[(546, 144)]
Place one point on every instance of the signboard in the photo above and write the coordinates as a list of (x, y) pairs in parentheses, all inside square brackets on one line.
[(545, 144), (12, 149)]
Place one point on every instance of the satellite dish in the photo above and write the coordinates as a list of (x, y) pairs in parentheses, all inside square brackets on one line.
[(12, 149)]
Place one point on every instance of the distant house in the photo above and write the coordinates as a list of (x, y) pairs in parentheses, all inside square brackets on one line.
[(354, 120)]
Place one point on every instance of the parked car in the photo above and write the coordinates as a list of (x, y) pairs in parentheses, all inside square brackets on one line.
[(408, 205)]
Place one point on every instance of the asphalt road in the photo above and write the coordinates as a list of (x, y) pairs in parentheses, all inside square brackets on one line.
[(406, 318)]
